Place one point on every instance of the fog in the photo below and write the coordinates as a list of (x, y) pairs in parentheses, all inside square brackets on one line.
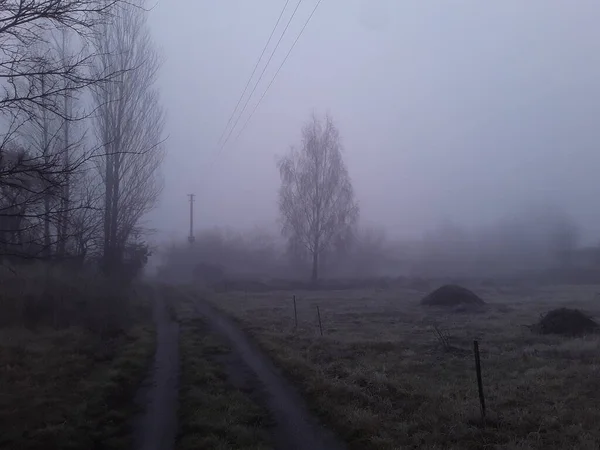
[(462, 113), (410, 182)]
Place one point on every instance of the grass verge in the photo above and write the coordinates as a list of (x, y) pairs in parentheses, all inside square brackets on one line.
[(72, 387), (214, 413)]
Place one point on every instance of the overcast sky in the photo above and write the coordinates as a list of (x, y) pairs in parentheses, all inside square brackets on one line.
[(448, 110)]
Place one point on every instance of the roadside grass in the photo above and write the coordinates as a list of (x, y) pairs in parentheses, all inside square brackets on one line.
[(69, 373), (213, 412), (382, 380)]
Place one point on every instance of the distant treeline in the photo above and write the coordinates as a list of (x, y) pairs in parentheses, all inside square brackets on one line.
[(541, 245)]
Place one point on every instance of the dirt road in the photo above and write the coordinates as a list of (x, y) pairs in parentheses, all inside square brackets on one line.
[(295, 427), (156, 428)]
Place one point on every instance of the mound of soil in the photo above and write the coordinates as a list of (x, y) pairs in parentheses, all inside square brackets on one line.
[(566, 321), (452, 295)]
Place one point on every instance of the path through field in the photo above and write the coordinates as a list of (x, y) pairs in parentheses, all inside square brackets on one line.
[(156, 428), (295, 428)]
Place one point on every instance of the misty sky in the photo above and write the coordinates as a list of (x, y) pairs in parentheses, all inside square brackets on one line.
[(448, 110)]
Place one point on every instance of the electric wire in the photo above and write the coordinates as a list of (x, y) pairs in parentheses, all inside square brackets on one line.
[(253, 71)]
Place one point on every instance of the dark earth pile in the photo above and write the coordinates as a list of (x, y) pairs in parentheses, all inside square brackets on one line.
[(566, 321), (452, 295)]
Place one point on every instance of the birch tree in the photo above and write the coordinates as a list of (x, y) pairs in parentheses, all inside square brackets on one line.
[(316, 198), (129, 127)]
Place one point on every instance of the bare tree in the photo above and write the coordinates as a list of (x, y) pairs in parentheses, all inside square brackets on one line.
[(37, 89), (316, 198), (27, 25), (41, 133), (129, 127), (22, 212), (64, 48), (50, 144)]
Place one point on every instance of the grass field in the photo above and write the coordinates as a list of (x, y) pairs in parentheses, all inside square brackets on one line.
[(214, 412), (70, 367), (381, 378)]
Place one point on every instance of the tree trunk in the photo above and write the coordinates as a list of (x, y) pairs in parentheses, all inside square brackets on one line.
[(116, 257), (45, 150), (66, 197), (116, 252), (107, 259), (315, 267)]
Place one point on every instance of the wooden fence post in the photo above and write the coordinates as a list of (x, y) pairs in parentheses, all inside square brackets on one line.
[(479, 381), (295, 313), (319, 316)]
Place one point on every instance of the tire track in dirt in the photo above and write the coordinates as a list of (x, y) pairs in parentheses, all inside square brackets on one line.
[(156, 427), (295, 428)]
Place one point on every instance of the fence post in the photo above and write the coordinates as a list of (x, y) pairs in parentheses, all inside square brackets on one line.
[(479, 381), (319, 316), (295, 313)]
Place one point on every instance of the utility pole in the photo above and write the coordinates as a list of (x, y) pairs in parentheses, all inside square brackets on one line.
[(191, 237)]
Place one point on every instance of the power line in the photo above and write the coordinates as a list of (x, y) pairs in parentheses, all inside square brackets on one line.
[(261, 75), (275, 76), (253, 71)]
